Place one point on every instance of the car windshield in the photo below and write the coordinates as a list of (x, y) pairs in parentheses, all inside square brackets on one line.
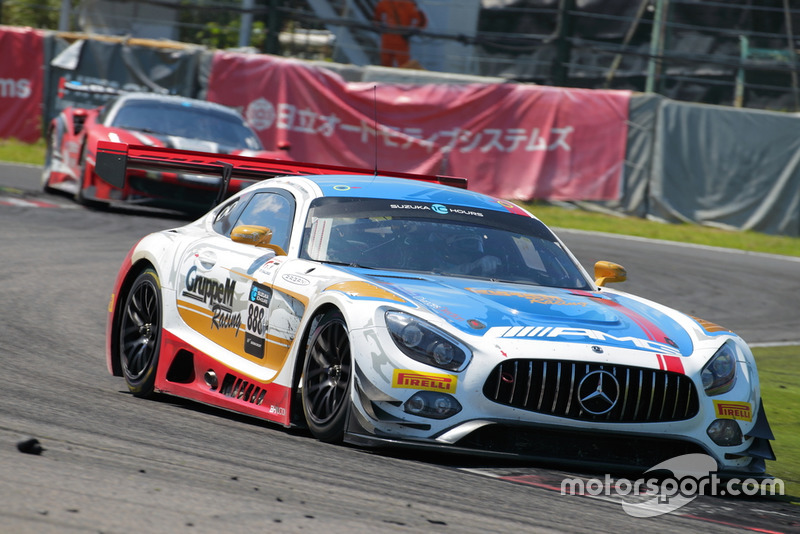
[(191, 122), (437, 239)]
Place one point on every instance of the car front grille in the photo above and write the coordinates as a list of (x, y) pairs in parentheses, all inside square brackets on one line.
[(593, 391)]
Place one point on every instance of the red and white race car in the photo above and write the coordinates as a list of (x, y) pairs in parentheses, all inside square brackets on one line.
[(152, 120)]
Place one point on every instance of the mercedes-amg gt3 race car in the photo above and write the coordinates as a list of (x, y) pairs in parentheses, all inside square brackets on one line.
[(406, 311), (183, 123)]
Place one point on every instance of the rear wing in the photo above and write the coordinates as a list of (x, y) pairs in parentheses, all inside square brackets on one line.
[(114, 159)]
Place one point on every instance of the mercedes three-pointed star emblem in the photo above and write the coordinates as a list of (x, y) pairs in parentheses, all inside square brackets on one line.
[(598, 392)]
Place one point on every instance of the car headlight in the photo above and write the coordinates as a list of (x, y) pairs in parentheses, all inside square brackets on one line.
[(725, 432), (432, 404), (719, 374), (425, 343)]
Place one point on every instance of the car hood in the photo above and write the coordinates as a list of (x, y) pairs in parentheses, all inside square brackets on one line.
[(503, 310)]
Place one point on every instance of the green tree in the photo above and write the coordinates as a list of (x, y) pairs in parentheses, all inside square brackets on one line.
[(42, 14), (216, 23)]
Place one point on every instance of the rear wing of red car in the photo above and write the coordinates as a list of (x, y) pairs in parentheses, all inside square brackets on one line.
[(114, 159)]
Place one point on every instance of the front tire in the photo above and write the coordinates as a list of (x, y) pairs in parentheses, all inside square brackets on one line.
[(47, 170), (327, 374), (140, 334)]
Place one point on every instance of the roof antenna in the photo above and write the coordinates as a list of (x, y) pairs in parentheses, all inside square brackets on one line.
[(375, 118)]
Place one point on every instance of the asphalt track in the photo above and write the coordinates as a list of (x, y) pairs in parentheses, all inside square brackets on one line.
[(113, 463)]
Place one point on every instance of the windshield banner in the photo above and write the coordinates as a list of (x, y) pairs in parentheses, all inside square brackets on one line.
[(21, 78), (509, 140)]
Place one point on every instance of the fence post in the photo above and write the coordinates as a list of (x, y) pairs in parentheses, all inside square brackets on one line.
[(656, 46), (744, 52), (246, 24), (63, 17), (792, 53), (274, 18), (564, 46)]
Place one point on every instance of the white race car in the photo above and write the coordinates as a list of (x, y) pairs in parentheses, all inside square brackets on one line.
[(401, 310)]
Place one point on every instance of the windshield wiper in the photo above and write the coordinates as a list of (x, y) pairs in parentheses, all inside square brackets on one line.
[(350, 264)]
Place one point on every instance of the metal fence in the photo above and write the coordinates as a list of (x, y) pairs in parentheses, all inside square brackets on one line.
[(734, 52)]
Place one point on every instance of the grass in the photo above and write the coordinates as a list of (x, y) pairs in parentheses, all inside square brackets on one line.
[(779, 367), (564, 216), (779, 370), (16, 152)]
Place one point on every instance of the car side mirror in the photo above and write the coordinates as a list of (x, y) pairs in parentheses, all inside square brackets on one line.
[(259, 236), (606, 272)]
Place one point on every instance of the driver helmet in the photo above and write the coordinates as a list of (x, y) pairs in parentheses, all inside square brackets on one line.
[(464, 246)]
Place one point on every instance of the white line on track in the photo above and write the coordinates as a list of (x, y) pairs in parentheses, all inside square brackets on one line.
[(13, 201)]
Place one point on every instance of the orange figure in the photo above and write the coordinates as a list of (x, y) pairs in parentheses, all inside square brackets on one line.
[(398, 20)]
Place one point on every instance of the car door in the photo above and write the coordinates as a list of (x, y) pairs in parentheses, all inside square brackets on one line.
[(225, 287)]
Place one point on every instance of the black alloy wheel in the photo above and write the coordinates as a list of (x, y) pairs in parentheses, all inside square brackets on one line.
[(327, 375), (140, 333)]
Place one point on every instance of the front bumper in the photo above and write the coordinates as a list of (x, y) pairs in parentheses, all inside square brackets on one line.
[(377, 420)]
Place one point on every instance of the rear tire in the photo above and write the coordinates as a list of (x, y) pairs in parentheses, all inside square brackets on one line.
[(140, 334), (327, 377)]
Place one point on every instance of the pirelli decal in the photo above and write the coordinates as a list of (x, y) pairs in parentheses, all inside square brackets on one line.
[(743, 411), (407, 379)]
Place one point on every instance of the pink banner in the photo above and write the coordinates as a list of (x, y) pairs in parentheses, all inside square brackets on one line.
[(509, 140), (21, 78)]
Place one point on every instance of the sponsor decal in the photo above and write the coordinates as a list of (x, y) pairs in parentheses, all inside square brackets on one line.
[(208, 290), (217, 295), (409, 207), (260, 294), (436, 208), (459, 211), (277, 410), (260, 114), (257, 317), (442, 310), (533, 298), (743, 411), (15, 88), (563, 333), (364, 290), (407, 379), (296, 279), (261, 263)]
